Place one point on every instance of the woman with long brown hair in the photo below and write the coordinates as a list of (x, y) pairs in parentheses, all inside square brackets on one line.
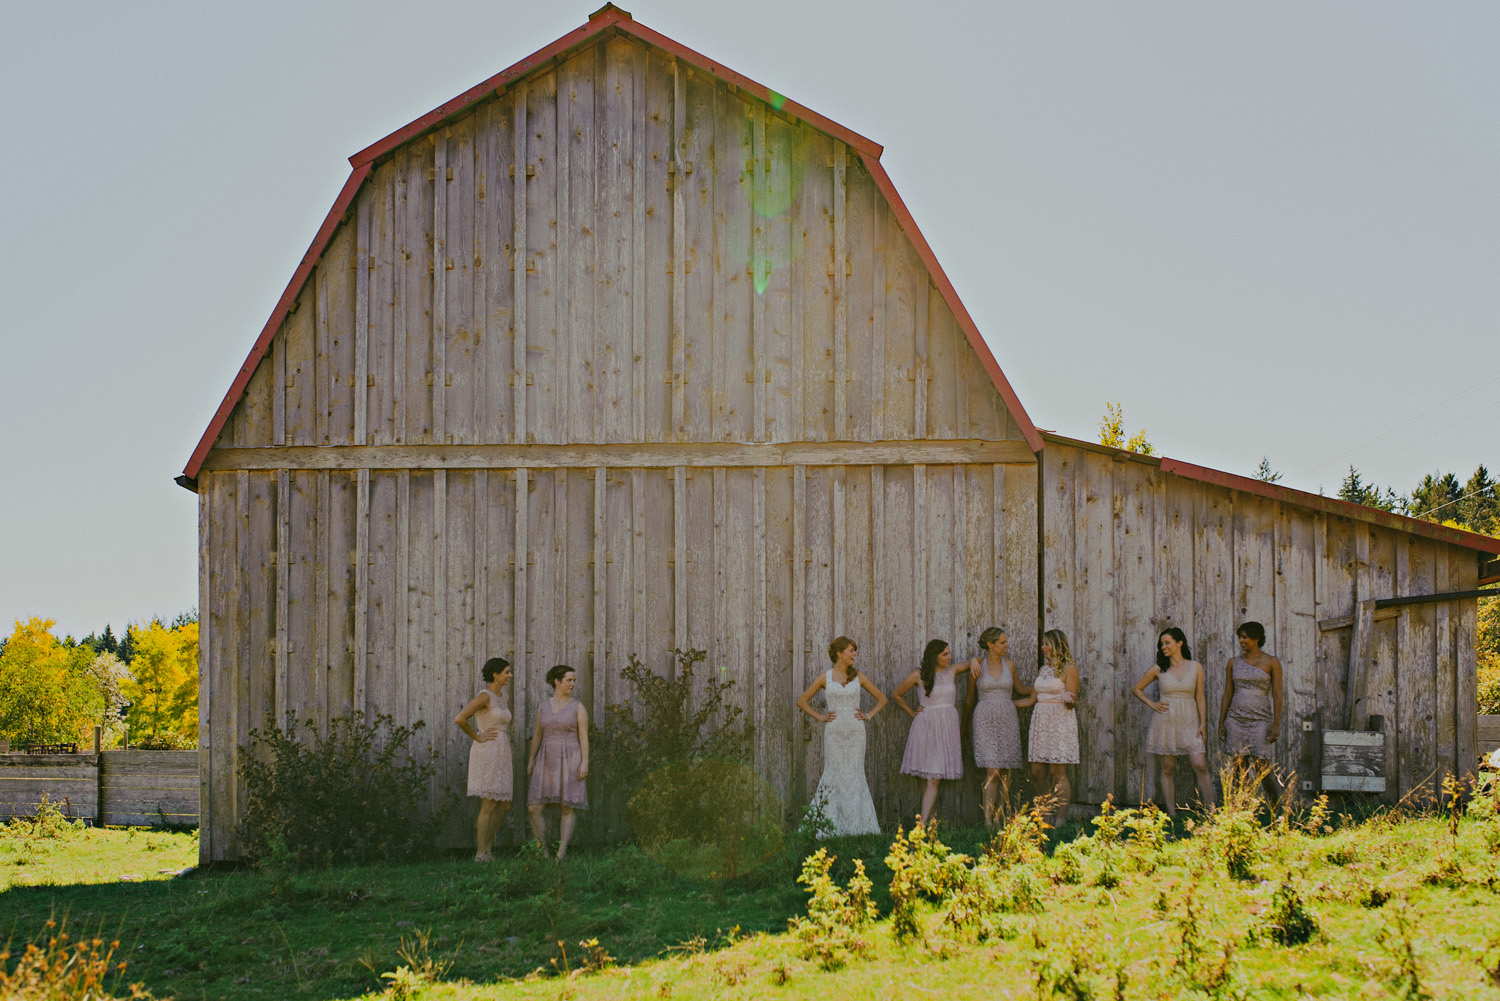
[(933, 750), (1053, 744)]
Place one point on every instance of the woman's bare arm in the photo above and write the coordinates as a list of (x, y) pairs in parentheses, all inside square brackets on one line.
[(477, 703), (1201, 699), (1070, 683), (1139, 691), (804, 701), (1276, 700), (1228, 696), (901, 689), (875, 693), (583, 742), (536, 743)]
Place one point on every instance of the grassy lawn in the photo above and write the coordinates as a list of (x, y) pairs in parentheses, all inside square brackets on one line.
[(1403, 909)]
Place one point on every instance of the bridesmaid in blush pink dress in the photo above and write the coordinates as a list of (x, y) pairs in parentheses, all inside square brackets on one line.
[(559, 761), (1179, 717), (934, 743), (490, 769)]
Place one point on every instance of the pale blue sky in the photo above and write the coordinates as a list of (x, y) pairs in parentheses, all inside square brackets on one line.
[(1264, 229)]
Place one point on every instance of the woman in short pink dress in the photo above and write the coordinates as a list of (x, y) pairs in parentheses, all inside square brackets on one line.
[(486, 721), (559, 760), (933, 745), (1178, 717)]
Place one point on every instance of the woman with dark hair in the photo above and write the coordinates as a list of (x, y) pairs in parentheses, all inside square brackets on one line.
[(933, 745), (1250, 712), (1180, 715), (1053, 745), (561, 742), (993, 688), (843, 793), (490, 771)]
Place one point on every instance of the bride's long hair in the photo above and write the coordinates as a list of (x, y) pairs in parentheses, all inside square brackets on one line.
[(838, 646)]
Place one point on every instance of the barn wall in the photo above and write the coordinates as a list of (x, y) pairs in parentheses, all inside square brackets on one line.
[(1130, 550), (759, 566), (619, 248)]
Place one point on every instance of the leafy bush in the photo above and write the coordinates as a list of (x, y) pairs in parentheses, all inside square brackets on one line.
[(1289, 920), (1233, 836), (55, 967), (707, 818), (47, 822), (347, 795), (831, 932), (922, 868), (663, 723)]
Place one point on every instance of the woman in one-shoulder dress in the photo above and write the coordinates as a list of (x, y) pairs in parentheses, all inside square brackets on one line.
[(491, 777), (843, 793), (1250, 712), (1179, 717), (934, 745), (1053, 744), (559, 761), (993, 689)]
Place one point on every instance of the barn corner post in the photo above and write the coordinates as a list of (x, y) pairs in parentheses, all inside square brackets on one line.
[(619, 265)]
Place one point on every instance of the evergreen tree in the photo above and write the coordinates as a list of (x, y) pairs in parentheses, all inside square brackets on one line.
[(1480, 508), (1355, 489), (1265, 472), (1432, 499), (126, 649)]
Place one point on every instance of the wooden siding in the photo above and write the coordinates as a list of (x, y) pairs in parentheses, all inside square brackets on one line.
[(760, 566), (618, 249), (1130, 550)]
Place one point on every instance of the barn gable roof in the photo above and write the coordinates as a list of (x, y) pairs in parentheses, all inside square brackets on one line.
[(605, 20)]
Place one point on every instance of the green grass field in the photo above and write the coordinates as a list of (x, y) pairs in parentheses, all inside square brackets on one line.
[(1403, 908)]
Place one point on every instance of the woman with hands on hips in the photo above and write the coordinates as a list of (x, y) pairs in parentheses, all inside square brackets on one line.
[(1179, 717), (843, 793), (490, 771)]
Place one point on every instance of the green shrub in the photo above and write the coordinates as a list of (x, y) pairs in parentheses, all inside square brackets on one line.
[(707, 819), (350, 794), (663, 722), (832, 931), (1289, 920), (922, 869)]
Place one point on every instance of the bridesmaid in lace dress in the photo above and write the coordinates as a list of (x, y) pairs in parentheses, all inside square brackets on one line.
[(993, 687), (490, 774), (934, 743), (1250, 712), (1053, 745), (559, 760), (1180, 716), (843, 793)]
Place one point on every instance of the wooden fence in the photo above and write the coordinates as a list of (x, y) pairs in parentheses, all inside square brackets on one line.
[(112, 787)]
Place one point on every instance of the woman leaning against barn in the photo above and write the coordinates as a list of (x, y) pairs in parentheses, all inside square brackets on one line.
[(993, 689), (1250, 712), (1179, 715)]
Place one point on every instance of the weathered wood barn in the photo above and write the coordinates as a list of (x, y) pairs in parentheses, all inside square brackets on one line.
[(620, 351)]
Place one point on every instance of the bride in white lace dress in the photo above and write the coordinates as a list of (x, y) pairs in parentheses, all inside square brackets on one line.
[(843, 794)]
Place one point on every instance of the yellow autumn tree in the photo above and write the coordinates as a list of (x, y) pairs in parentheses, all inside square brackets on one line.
[(163, 688), (47, 693)]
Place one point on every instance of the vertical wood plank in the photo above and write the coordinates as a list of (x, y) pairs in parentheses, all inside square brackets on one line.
[(520, 254), (839, 571), (962, 624), (638, 562), (679, 256), (919, 551), (759, 359), (1444, 698), (758, 599), (638, 254), (361, 589), (364, 251), (680, 557), (208, 764), (875, 377), (401, 283), (840, 292), (278, 389), (440, 286), (283, 569), (601, 639), (1093, 644), (402, 611), (923, 318), (1416, 668), (1022, 568), (519, 729), (320, 603)]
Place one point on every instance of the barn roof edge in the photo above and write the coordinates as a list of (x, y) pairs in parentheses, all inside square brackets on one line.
[(605, 19)]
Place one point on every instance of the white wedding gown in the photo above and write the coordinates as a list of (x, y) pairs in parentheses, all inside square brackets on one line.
[(843, 793)]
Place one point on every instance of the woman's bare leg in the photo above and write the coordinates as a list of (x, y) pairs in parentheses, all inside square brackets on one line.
[(482, 837), (929, 799), (1063, 790), (538, 822), (569, 818), (1168, 782), (1205, 781), (991, 797), (1041, 783)]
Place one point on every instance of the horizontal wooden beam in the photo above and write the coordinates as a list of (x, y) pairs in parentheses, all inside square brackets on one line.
[(1347, 621), (1428, 599), (628, 456)]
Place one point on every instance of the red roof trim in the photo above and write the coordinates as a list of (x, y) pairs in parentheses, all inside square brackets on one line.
[(950, 296), (609, 17), (283, 306), (1332, 505)]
